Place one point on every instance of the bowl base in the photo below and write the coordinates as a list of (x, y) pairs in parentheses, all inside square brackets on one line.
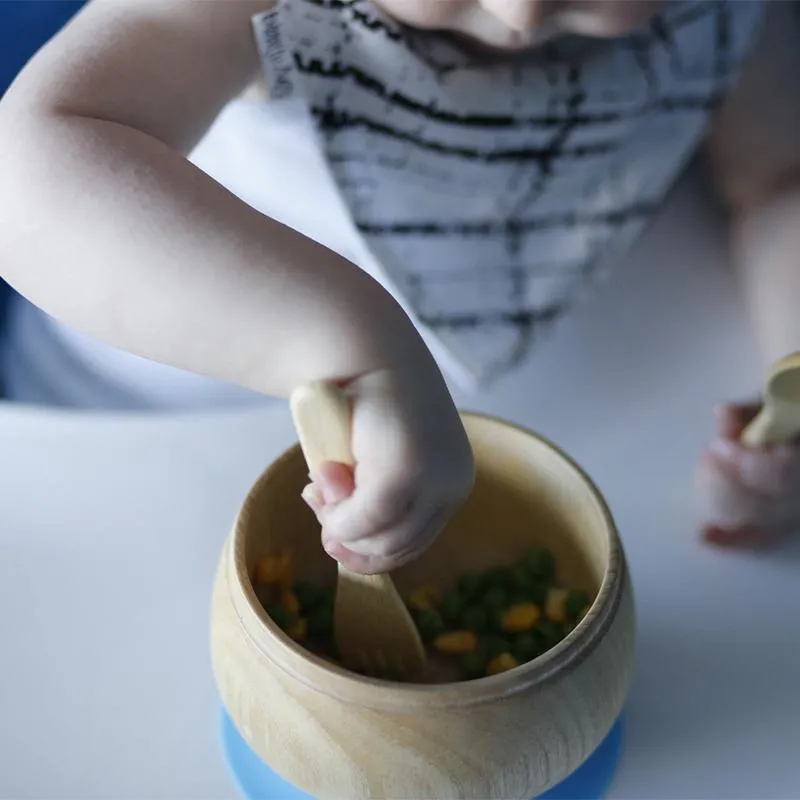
[(256, 781)]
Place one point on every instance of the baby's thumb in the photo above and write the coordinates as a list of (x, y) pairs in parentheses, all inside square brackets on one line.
[(335, 482), (330, 485)]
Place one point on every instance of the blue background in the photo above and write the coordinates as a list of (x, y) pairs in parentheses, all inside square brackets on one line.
[(25, 25)]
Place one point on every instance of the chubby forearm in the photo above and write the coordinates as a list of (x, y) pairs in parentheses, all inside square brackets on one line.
[(107, 226), (113, 232), (755, 156), (766, 252)]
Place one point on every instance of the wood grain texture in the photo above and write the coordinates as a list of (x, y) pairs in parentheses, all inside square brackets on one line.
[(513, 735), (779, 419), (321, 415), (374, 630)]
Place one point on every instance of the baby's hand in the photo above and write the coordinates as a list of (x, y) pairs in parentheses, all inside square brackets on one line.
[(413, 468), (750, 496)]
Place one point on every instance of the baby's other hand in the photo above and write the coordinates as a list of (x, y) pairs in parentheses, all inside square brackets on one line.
[(413, 468), (750, 496)]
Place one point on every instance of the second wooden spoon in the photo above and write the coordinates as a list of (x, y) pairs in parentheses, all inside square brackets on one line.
[(779, 419)]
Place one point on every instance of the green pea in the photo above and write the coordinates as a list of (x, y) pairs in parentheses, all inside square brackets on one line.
[(475, 618), (540, 563), (308, 594), (551, 633), (320, 620), (534, 592), (497, 579), (575, 603), (473, 665), (526, 646), (494, 619), (495, 599), (527, 588), (519, 577), (468, 585), (495, 646), (451, 606), (280, 616), (430, 624)]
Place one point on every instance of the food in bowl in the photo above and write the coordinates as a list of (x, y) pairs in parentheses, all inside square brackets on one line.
[(487, 623)]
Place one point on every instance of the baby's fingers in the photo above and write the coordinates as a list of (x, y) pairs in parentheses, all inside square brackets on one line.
[(389, 549), (749, 494), (372, 508), (743, 536), (335, 481), (377, 526), (332, 483), (312, 495), (727, 502), (768, 472)]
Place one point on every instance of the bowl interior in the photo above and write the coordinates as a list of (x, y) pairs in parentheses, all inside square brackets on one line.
[(526, 494)]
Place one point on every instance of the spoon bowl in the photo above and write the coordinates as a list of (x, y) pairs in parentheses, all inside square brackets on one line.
[(779, 419)]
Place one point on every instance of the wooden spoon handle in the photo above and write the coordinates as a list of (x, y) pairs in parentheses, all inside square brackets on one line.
[(322, 418), (772, 426), (779, 419), (372, 625), (323, 421)]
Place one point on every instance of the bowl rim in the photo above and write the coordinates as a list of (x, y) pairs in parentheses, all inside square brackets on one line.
[(331, 680)]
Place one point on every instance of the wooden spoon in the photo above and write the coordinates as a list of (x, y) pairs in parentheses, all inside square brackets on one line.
[(779, 419), (374, 630)]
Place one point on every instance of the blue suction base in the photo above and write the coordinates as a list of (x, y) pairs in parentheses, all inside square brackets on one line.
[(256, 781)]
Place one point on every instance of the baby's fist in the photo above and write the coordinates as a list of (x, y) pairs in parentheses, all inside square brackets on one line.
[(413, 468), (750, 496)]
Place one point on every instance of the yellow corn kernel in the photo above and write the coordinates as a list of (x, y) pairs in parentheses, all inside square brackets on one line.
[(555, 608), (423, 599), (268, 570), (456, 643), (298, 630), (501, 663), (290, 602), (272, 570), (521, 617)]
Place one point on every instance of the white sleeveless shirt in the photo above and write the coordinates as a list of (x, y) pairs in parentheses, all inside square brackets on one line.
[(485, 196)]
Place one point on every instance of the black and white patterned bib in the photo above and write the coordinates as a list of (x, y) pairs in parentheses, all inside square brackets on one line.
[(491, 193)]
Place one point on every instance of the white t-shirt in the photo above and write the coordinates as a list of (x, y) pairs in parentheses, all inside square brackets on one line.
[(485, 195)]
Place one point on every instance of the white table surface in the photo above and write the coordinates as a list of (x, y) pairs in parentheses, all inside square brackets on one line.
[(110, 528)]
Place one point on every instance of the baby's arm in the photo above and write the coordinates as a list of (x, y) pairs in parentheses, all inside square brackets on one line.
[(107, 226), (755, 153)]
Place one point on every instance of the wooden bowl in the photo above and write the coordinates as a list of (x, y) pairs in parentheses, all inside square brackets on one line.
[(339, 735)]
